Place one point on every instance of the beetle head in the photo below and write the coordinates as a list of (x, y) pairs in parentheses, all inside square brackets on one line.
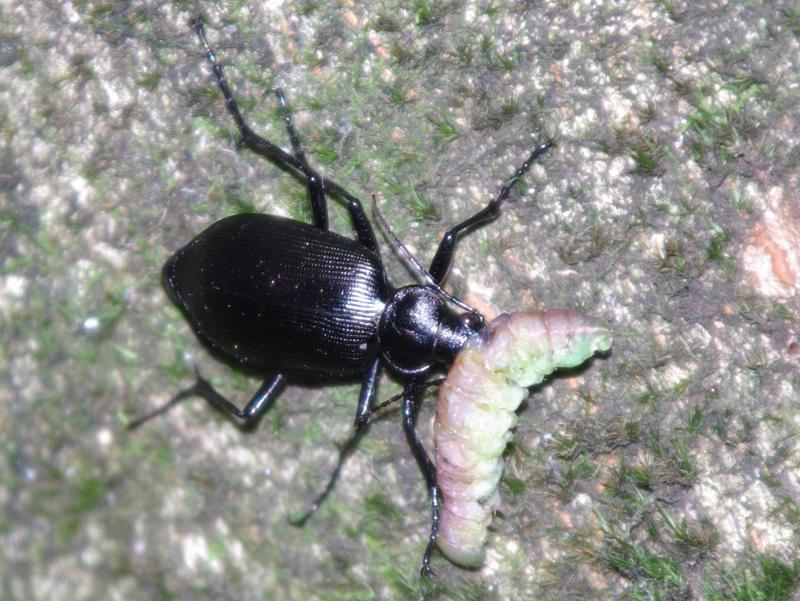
[(417, 328)]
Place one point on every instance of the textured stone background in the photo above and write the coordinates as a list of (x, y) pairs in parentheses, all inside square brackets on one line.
[(670, 208)]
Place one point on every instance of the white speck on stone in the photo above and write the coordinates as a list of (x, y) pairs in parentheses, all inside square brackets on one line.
[(14, 285), (655, 246), (139, 547), (617, 107), (195, 551), (477, 288), (84, 193), (581, 124), (12, 288), (116, 258), (618, 167), (117, 95), (512, 546), (91, 326), (72, 15), (674, 374), (104, 437), (582, 500)]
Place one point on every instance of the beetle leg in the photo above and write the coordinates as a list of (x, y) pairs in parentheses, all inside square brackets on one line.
[(297, 148), (255, 407), (349, 445), (282, 158), (315, 192), (362, 226), (267, 148), (249, 137), (178, 398), (444, 254), (363, 416), (367, 396), (410, 409), (316, 195)]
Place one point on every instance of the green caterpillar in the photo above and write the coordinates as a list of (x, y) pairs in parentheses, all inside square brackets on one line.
[(476, 412)]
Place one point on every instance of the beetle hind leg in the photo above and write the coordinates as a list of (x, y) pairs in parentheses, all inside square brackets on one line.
[(253, 410), (295, 162), (283, 159), (316, 195)]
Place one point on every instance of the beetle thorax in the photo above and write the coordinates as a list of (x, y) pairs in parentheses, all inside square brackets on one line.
[(417, 329)]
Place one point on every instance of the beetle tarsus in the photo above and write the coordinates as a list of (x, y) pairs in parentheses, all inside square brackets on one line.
[(350, 445), (170, 404), (436, 504), (363, 418), (426, 571)]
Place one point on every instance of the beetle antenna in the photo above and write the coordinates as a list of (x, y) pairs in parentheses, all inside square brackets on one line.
[(414, 265), (397, 397)]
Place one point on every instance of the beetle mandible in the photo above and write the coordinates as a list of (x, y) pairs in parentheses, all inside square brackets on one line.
[(285, 297)]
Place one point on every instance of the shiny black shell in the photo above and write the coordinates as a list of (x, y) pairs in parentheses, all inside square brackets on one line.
[(276, 294)]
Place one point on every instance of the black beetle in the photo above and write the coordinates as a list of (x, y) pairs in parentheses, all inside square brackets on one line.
[(286, 297)]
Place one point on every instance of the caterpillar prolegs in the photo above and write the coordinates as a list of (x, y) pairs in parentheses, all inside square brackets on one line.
[(477, 407)]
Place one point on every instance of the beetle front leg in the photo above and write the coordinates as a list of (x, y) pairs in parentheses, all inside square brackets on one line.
[(444, 254), (410, 409)]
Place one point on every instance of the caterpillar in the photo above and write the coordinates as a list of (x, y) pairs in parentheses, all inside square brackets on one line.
[(476, 411)]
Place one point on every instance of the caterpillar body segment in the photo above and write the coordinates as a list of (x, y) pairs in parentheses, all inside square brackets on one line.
[(476, 411)]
